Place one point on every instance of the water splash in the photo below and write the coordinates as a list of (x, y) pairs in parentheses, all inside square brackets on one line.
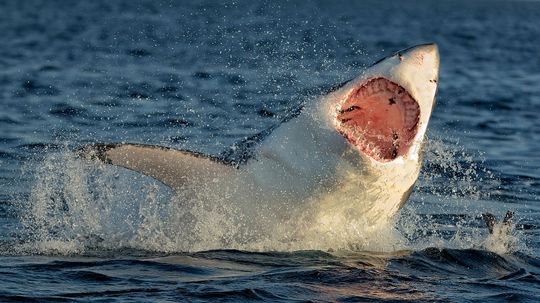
[(451, 171), (76, 205), (455, 188)]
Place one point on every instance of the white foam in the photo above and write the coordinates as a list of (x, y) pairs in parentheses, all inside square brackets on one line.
[(76, 205)]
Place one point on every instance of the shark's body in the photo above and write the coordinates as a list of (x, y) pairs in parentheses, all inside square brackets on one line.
[(353, 154)]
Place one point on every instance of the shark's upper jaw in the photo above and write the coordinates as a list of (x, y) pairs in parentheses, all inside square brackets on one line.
[(385, 111)]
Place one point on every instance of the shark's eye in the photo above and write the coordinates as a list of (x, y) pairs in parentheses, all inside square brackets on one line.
[(381, 118)]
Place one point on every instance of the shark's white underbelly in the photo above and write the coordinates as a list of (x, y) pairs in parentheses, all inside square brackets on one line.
[(304, 170)]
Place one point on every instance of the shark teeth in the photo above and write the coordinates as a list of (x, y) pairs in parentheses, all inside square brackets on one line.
[(381, 118)]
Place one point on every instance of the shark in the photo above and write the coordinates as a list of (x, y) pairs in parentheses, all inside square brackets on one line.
[(353, 153)]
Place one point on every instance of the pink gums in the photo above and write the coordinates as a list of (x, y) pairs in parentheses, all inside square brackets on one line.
[(381, 118)]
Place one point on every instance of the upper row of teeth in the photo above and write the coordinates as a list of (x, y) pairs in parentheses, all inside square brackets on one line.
[(377, 86), (411, 107)]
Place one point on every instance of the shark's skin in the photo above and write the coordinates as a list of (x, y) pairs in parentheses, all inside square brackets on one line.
[(319, 160)]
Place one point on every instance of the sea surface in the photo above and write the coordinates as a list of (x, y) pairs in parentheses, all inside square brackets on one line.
[(202, 76)]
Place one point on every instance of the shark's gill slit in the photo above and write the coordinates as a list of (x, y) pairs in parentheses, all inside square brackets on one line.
[(381, 118)]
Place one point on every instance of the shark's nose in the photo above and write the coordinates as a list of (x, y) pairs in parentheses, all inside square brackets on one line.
[(426, 48), (426, 55)]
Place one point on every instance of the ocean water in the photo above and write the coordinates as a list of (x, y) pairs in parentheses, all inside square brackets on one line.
[(202, 76)]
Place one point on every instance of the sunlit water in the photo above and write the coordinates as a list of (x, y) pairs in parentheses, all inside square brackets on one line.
[(204, 76)]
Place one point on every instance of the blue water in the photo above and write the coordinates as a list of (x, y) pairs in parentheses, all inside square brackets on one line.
[(202, 76)]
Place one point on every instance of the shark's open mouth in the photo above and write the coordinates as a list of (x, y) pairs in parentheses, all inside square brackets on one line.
[(381, 118)]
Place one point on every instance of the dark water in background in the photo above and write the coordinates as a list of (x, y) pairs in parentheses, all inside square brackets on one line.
[(203, 76)]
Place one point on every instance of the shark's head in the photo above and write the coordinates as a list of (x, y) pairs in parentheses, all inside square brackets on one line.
[(385, 111), (377, 123)]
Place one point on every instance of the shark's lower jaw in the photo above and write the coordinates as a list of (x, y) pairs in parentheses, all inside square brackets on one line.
[(380, 117)]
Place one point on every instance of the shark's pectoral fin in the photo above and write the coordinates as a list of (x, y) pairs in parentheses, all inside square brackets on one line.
[(174, 168)]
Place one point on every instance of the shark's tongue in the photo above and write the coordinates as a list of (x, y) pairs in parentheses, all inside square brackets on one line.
[(381, 118)]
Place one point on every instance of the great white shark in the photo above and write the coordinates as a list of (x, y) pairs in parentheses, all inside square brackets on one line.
[(352, 154)]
